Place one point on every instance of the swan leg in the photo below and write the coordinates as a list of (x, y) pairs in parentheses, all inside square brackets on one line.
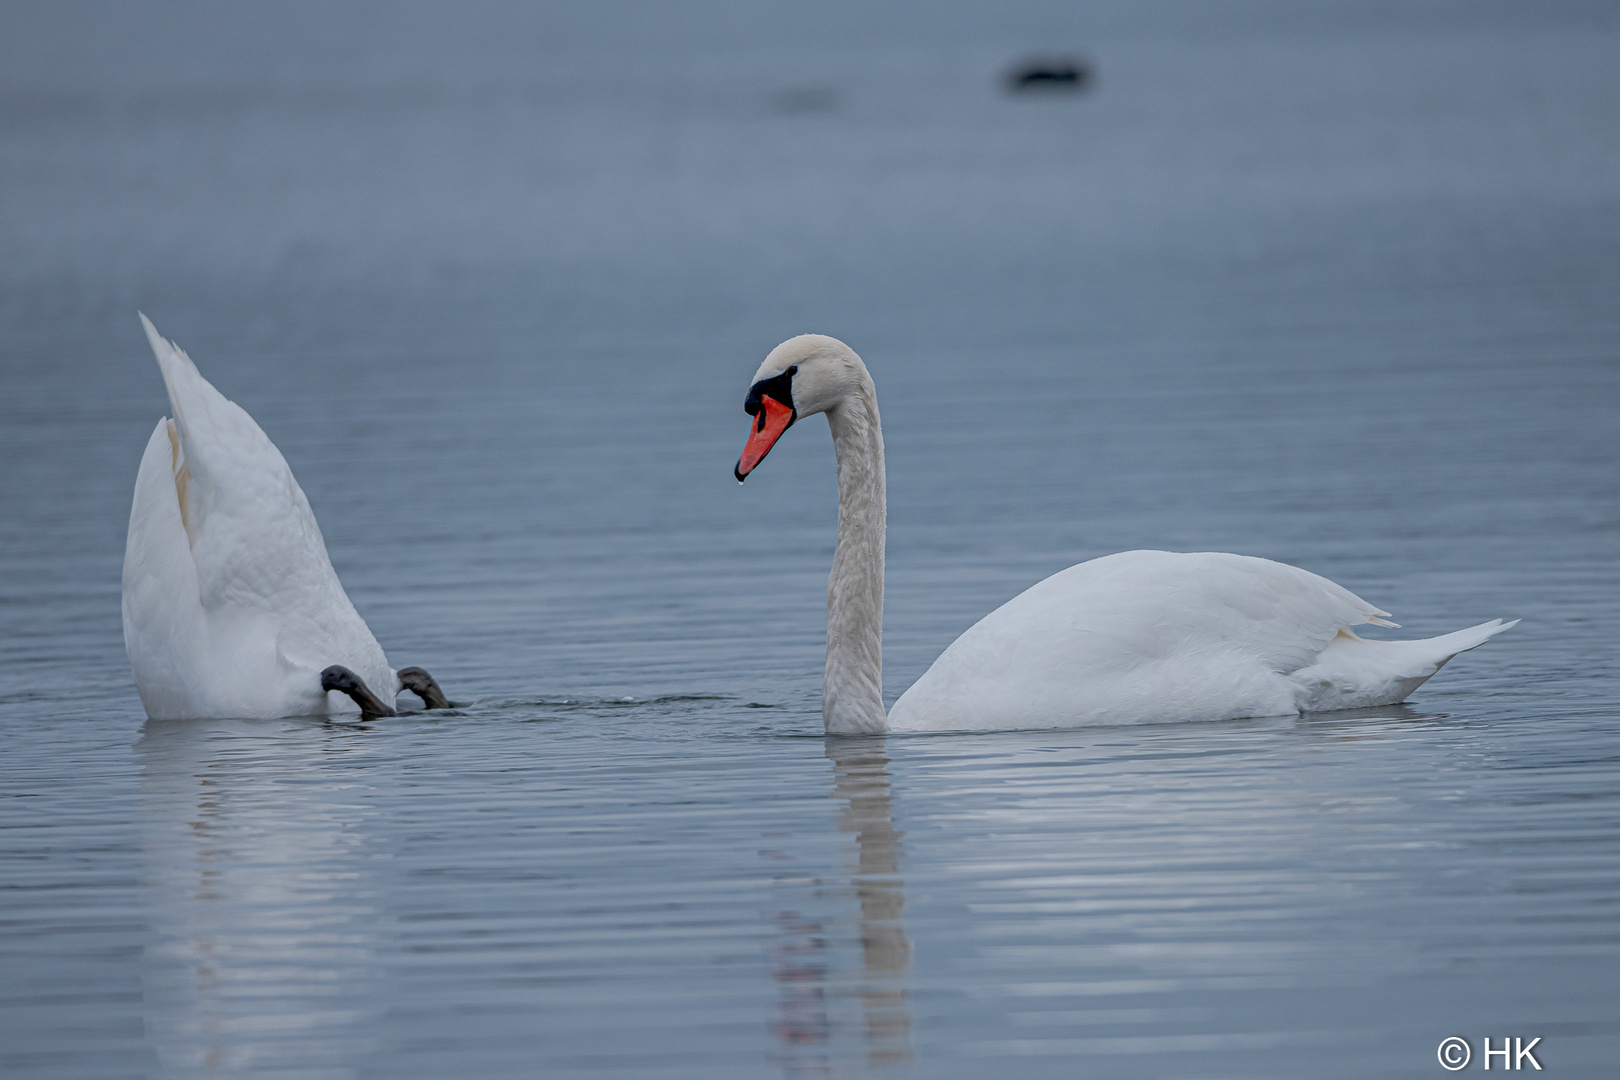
[(339, 678), (420, 683)]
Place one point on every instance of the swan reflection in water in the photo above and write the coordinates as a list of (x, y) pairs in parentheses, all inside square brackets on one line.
[(820, 1002), (260, 903)]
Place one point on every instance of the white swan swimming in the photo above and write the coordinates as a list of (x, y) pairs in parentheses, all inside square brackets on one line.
[(1137, 637), (231, 605)]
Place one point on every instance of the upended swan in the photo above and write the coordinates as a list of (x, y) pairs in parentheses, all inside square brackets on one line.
[(1136, 637), (231, 605)]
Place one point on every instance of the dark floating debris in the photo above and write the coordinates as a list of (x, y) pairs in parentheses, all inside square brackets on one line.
[(805, 99), (1066, 74)]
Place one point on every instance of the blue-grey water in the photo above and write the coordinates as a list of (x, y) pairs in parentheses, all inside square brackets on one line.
[(1333, 284)]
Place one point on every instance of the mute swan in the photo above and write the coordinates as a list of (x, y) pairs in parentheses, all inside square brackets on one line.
[(1137, 637), (231, 605)]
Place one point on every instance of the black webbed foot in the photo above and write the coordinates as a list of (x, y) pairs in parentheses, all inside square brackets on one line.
[(339, 678), (420, 683)]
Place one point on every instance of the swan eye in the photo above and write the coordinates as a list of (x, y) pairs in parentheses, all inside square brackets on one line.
[(779, 387)]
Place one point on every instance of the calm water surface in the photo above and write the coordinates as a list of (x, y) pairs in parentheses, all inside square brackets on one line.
[(1338, 289)]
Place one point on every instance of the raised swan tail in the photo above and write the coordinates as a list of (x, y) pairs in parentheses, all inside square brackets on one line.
[(1446, 646), (1355, 672)]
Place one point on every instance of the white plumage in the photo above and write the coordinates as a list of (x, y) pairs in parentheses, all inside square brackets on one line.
[(231, 605), (1155, 636), (1137, 637)]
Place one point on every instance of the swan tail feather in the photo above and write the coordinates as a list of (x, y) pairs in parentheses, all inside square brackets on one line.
[(1460, 641), (205, 420), (1355, 672), (223, 459)]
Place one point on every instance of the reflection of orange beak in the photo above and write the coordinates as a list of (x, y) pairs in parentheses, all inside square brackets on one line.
[(772, 419)]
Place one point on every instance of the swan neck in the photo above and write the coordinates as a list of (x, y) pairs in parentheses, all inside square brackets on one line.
[(852, 683)]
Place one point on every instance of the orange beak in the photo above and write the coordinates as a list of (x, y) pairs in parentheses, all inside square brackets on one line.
[(772, 419)]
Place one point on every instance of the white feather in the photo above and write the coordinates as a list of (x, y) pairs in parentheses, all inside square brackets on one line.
[(1155, 636), (231, 605)]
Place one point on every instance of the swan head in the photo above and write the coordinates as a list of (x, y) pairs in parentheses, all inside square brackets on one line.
[(805, 375)]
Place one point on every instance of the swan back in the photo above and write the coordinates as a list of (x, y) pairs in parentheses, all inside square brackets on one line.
[(231, 604)]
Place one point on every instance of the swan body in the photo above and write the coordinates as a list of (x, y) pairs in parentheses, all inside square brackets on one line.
[(231, 605), (1136, 637), (1156, 636)]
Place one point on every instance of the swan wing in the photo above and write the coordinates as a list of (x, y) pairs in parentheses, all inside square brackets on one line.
[(1278, 614)]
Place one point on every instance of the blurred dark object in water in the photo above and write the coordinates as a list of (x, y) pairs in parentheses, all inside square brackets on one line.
[(1049, 73), (806, 99)]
